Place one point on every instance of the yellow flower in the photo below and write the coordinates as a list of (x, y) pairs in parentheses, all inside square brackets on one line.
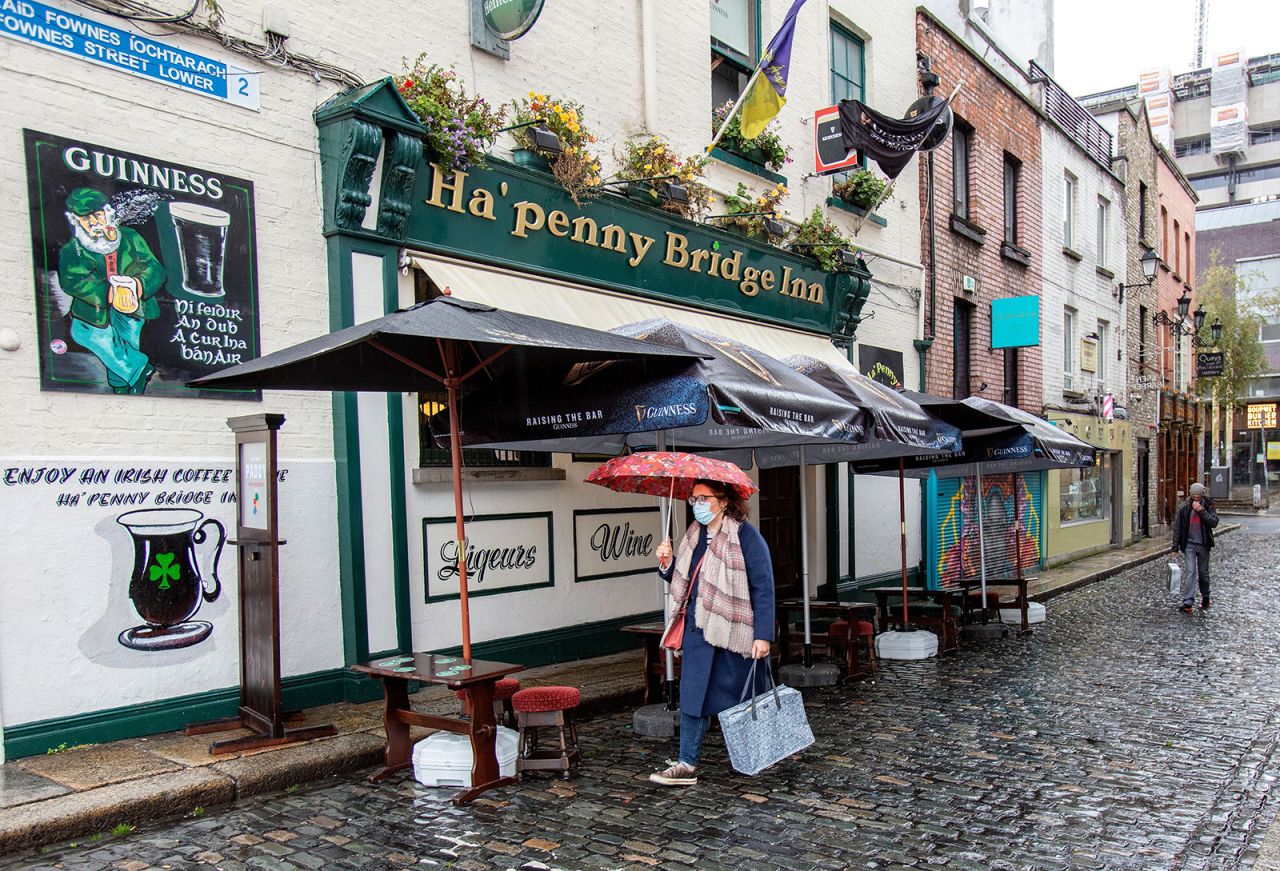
[(555, 107), (648, 166), (533, 95)]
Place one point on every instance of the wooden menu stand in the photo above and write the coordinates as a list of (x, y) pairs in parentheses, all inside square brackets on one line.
[(257, 538)]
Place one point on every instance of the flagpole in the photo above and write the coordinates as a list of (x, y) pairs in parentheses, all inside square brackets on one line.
[(736, 106)]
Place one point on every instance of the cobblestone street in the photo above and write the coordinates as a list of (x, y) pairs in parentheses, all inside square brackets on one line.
[(1123, 734)]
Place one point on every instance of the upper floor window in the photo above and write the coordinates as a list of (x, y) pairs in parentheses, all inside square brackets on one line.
[(1163, 238), (848, 73), (1190, 147), (1177, 247), (961, 139), (1142, 210), (735, 45), (1069, 210), (1104, 227), (1012, 169), (1186, 254)]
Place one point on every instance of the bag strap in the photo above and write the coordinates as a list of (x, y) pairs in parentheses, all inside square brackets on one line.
[(693, 577), (750, 684)]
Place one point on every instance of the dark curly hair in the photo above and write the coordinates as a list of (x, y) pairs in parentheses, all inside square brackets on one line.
[(734, 505)]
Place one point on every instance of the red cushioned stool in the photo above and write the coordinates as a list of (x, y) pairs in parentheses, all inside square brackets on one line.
[(864, 633), (547, 706), (503, 690)]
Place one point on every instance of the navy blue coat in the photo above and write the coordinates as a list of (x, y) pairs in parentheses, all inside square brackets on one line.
[(711, 678)]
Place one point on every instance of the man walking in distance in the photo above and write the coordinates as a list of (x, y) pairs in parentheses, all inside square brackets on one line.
[(1193, 536)]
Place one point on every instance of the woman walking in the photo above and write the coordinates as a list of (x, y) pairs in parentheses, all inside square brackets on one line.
[(722, 567)]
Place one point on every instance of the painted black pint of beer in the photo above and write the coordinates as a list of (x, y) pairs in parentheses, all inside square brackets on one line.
[(202, 243), (166, 585)]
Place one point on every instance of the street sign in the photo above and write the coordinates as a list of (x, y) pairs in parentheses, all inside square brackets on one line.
[(1261, 415), (1209, 364), (1015, 322), (829, 153)]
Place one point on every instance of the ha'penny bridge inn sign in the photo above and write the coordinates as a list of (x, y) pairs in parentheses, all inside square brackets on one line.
[(517, 217)]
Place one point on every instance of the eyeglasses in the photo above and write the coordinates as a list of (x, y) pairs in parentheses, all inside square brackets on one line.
[(702, 500)]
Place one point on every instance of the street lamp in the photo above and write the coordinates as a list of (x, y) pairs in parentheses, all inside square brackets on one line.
[(1148, 261), (1198, 317), (1184, 304)]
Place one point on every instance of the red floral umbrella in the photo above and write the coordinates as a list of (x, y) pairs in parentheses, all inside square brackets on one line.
[(668, 473)]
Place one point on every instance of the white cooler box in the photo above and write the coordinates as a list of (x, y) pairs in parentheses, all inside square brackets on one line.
[(1013, 616), (444, 759)]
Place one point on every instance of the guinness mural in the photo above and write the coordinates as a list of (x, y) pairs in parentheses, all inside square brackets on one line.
[(144, 270)]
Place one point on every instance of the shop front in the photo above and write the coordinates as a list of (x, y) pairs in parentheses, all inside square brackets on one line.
[(1179, 442), (1089, 509), (558, 566)]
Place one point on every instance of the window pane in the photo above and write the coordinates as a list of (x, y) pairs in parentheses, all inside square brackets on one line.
[(733, 27), (1010, 201), (1082, 493), (1068, 341), (846, 65), (1102, 231), (960, 171), (1068, 211)]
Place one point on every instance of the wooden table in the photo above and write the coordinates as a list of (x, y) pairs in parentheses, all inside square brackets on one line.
[(1019, 585), (918, 596), (655, 662), (824, 609), (477, 682)]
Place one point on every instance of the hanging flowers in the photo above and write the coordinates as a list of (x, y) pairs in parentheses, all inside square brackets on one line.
[(576, 168), (743, 203), (766, 149), (458, 130), (648, 157), (820, 239)]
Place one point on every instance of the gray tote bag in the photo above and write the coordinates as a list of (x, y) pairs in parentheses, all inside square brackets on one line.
[(766, 728)]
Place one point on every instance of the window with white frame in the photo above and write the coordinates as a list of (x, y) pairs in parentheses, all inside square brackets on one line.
[(1177, 363), (1104, 344), (1068, 210), (1068, 348), (1104, 222)]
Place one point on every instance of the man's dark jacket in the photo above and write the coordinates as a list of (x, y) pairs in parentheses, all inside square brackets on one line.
[(1182, 524)]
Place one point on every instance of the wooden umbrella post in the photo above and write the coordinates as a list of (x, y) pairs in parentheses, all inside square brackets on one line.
[(455, 456)]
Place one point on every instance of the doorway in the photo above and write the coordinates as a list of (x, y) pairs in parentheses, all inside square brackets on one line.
[(1144, 487), (779, 523), (1115, 468)]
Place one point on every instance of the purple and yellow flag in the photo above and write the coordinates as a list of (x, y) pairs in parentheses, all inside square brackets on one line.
[(768, 90)]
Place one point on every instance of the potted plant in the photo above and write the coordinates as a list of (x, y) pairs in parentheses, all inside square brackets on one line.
[(458, 131), (644, 160), (767, 149), (861, 188), (574, 167), (753, 209), (820, 239)]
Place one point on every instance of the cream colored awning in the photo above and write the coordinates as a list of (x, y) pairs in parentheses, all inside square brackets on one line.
[(603, 309)]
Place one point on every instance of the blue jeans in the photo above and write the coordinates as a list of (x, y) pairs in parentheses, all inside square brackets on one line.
[(692, 730)]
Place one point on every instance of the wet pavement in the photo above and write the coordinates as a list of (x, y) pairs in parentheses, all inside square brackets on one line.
[(1123, 734)]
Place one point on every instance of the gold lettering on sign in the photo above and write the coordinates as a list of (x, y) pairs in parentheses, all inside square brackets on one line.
[(579, 231), (698, 256), (558, 224), (815, 293), (731, 267), (614, 238), (529, 216), (481, 204), (455, 187), (677, 250), (766, 279), (748, 286), (642, 244)]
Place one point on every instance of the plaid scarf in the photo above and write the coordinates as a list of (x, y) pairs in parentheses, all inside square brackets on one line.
[(723, 611)]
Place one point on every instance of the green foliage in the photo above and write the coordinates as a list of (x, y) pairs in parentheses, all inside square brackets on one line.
[(744, 202), (575, 168), (64, 747), (819, 238), (862, 188), (122, 829), (459, 130), (773, 152), (650, 156), (292, 788), (1225, 297)]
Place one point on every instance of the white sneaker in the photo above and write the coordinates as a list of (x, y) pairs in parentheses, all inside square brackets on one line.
[(676, 774)]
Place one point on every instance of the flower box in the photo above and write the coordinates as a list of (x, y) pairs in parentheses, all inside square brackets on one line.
[(530, 159), (643, 192)]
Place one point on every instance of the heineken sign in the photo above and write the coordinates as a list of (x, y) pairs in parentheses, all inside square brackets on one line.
[(517, 217), (511, 19)]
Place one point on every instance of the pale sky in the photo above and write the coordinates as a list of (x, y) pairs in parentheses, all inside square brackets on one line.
[(1104, 44)]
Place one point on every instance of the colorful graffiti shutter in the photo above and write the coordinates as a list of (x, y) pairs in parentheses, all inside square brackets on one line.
[(954, 550)]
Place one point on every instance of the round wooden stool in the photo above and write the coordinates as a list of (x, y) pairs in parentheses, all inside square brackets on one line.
[(864, 633), (547, 706)]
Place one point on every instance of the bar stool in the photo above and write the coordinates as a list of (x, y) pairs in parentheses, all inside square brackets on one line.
[(503, 690), (864, 633), (547, 706)]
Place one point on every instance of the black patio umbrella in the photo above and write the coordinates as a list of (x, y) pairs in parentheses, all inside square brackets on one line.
[(901, 428), (997, 438), (451, 343)]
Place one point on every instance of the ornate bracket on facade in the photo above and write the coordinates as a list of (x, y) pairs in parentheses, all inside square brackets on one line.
[(356, 127), (851, 291)]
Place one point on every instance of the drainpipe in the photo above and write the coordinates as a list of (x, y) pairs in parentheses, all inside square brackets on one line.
[(649, 63)]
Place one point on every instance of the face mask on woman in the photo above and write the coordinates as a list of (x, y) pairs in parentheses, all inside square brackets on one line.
[(703, 514)]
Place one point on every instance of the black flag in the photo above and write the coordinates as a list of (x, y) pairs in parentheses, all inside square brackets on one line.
[(890, 142)]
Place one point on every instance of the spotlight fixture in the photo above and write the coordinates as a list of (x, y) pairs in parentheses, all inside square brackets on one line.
[(543, 139)]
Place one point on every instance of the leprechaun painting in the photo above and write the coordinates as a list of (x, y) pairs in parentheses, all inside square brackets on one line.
[(112, 277)]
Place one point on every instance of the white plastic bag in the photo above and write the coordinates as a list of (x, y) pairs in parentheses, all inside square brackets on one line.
[(1175, 578)]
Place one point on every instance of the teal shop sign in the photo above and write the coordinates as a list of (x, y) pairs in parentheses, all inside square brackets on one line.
[(516, 217), (1015, 322), (511, 19)]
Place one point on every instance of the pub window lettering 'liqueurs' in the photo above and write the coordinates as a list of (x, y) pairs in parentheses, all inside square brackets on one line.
[(530, 217)]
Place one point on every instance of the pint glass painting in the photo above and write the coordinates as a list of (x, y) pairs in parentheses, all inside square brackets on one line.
[(145, 270)]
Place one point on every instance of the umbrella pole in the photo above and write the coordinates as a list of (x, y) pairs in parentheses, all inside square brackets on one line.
[(902, 536), (982, 544), (455, 451), (804, 562), (669, 682)]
